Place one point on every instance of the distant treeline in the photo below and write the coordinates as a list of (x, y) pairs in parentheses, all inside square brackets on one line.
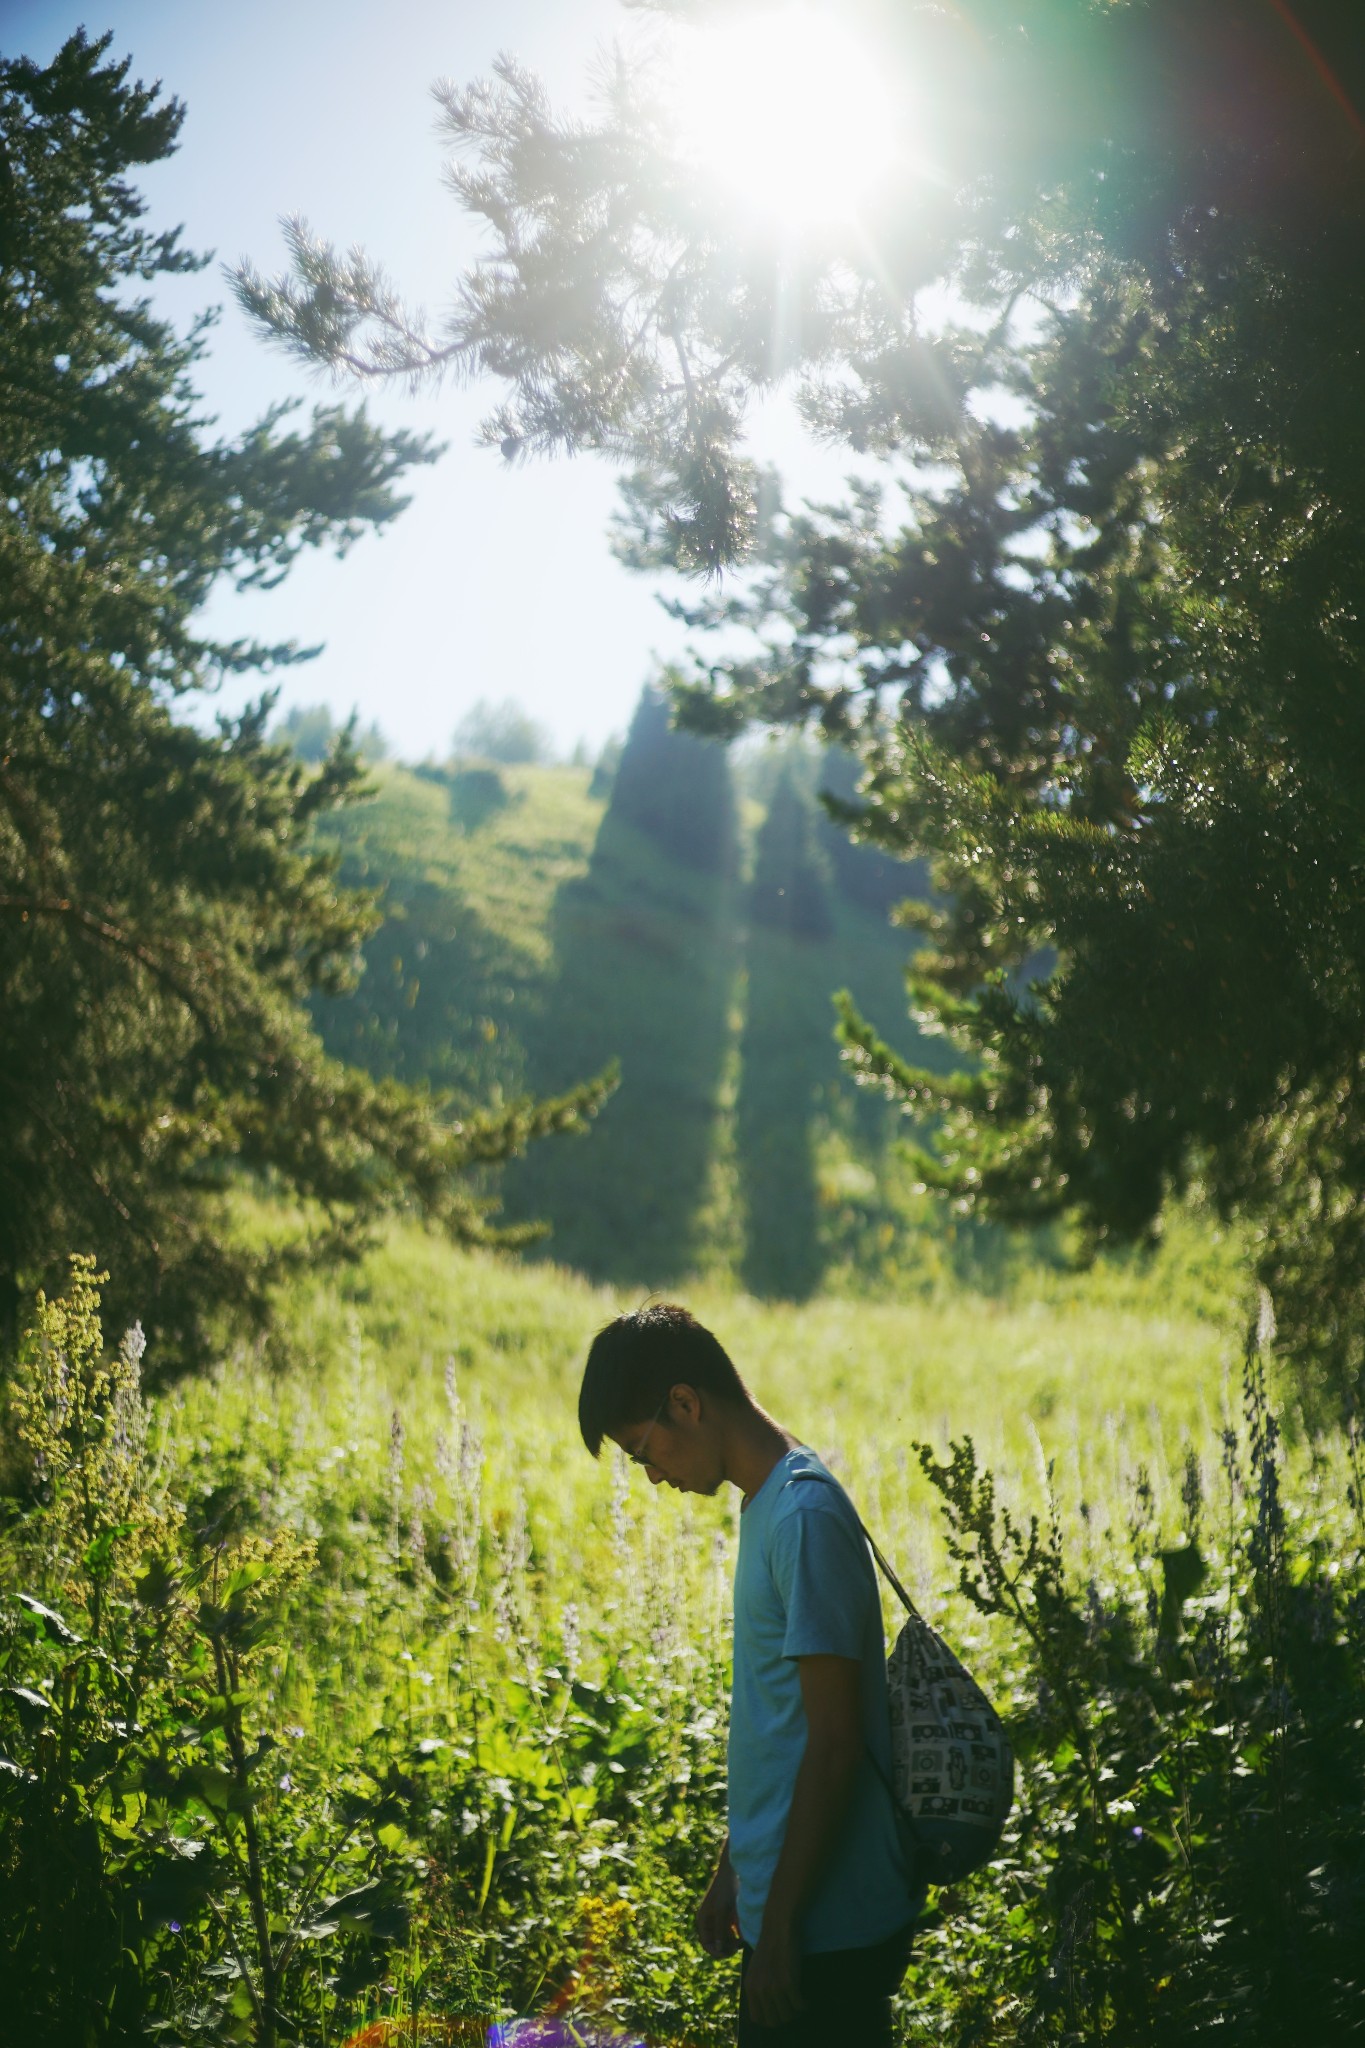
[(687, 912), (679, 791)]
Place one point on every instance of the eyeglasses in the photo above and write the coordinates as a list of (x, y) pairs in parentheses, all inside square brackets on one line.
[(638, 1457)]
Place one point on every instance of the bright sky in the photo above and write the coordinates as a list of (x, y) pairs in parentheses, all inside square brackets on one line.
[(496, 581)]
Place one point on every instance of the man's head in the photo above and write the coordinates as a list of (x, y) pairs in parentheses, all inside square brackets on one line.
[(658, 1384)]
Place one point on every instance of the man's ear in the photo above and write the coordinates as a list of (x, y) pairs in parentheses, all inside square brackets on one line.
[(684, 1402)]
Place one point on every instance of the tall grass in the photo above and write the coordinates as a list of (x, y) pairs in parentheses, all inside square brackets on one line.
[(445, 1385), (478, 1715)]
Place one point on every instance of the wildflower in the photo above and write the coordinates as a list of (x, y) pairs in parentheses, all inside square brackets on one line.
[(571, 1636)]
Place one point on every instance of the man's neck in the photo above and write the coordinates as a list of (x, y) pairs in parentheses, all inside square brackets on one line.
[(753, 1444)]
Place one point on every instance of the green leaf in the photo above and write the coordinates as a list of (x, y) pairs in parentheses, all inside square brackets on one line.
[(50, 1622), (34, 1707), (99, 1555), (217, 1789), (242, 1578), (1183, 1572), (157, 1584), (219, 1708)]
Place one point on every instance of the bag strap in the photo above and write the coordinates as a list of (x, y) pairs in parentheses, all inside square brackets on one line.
[(906, 1602), (906, 1824)]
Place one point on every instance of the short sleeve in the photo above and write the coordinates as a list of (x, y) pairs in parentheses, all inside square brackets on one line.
[(820, 1569)]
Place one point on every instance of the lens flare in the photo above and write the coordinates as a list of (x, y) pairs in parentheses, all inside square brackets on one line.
[(783, 110)]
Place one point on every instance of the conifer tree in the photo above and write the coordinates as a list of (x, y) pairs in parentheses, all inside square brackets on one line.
[(863, 873), (790, 887), (164, 908), (675, 788), (1099, 646)]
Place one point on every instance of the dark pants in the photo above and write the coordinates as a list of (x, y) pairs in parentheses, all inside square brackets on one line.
[(848, 1995)]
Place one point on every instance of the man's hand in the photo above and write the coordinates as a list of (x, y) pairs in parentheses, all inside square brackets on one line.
[(830, 1695), (717, 1920), (772, 1982)]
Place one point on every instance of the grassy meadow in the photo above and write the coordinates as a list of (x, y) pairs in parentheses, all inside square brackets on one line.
[(531, 938), (548, 1641), (346, 1701), (428, 1718), (1093, 1371)]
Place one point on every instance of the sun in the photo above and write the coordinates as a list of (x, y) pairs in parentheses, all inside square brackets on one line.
[(784, 110)]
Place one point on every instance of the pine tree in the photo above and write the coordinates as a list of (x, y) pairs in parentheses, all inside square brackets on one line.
[(675, 788), (312, 732), (1099, 648), (863, 873), (790, 887), (164, 907)]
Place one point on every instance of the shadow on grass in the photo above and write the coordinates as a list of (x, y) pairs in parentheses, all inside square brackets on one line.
[(644, 953), (440, 995), (786, 1060)]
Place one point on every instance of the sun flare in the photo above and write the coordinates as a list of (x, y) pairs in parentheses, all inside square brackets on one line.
[(785, 110)]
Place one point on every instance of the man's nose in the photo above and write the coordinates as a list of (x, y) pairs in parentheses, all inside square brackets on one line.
[(655, 1475)]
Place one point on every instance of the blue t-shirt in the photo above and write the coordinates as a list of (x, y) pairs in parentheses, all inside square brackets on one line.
[(805, 1587)]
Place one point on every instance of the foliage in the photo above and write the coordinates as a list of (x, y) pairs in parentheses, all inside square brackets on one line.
[(153, 1865), (513, 910), (863, 871), (1183, 1865), (1092, 624), (644, 970), (165, 909), (501, 732), (789, 891), (312, 732), (604, 769), (496, 1692), (179, 1854), (675, 789), (784, 1048), (466, 862)]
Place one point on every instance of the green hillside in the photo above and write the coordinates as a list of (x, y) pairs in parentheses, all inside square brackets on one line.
[(532, 935), (470, 865)]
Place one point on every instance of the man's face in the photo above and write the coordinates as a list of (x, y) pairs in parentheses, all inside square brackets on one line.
[(678, 1446)]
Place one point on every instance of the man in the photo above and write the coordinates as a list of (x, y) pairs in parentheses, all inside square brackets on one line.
[(812, 1883)]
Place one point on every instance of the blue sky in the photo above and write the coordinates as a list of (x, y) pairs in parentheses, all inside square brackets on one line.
[(497, 581)]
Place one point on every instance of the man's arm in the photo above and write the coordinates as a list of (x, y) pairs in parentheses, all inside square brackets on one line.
[(717, 1920), (831, 1696)]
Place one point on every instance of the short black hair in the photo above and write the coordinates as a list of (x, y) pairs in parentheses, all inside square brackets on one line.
[(635, 1359)]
